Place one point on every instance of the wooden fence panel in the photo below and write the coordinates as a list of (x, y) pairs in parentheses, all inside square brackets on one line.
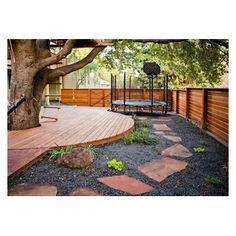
[(217, 113), (207, 107), (97, 98), (81, 97), (182, 103), (102, 97), (67, 96), (195, 104), (174, 101)]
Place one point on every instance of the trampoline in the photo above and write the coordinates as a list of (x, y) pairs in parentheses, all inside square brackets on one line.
[(139, 103), (125, 99)]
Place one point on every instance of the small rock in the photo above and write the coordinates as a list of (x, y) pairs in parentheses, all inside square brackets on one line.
[(78, 158)]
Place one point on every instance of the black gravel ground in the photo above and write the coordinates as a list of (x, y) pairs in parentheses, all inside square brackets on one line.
[(188, 182)]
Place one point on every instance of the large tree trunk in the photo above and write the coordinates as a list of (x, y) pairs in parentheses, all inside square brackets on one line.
[(30, 74), (22, 83)]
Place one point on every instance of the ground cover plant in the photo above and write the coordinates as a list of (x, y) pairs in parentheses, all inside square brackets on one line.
[(179, 120), (202, 141), (214, 181), (141, 133), (140, 136), (191, 124), (140, 123), (54, 153), (90, 149), (199, 150), (117, 165)]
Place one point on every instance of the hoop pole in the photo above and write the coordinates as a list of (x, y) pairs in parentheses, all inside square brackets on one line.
[(129, 86), (115, 87), (124, 89), (111, 91), (166, 92), (152, 94)]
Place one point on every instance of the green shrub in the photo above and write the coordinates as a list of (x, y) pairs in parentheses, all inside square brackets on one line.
[(139, 123), (139, 136), (191, 124), (214, 181), (179, 120), (199, 150), (145, 123), (117, 165), (145, 130), (202, 141), (205, 126), (90, 148), (54, 152), (128, 139)]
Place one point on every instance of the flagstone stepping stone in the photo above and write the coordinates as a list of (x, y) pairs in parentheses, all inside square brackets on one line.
[(33, 190), (170, 133), (126, 184), (159, 132), (161, 127), (173, 138), (84, 192), (159, 170), (142, 118), (162, 120), (177, 150)]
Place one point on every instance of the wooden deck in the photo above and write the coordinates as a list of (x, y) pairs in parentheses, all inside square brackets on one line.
[(75, 126)]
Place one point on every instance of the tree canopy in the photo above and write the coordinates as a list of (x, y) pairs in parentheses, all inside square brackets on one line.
[(192, 62)]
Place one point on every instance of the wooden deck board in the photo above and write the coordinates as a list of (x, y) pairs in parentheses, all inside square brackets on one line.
[(75, 126), (19, 159)]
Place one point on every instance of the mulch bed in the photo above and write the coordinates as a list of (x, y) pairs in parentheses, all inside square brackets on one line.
[(189, 182)]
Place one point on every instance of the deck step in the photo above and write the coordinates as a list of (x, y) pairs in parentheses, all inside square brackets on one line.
[(49, 117), (52, 107)]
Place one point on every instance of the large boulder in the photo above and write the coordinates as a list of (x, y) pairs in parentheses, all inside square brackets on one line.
[(78, 158)]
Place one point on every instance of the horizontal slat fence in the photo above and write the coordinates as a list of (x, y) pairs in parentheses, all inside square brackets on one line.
[(86, 97), (102, 97), (207, 107)]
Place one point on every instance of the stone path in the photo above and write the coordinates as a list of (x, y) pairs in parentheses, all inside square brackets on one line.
[(157, 170), (173, 138), (126, 184), (177, 150), (161, 169)]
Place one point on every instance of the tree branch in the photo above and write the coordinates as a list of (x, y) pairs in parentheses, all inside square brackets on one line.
[(64, 70), (161, 41), (221, 42), (67, 48)]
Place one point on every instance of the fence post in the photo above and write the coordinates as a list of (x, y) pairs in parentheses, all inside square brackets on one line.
[(187, 103), (171, 99), (89, 97), (177, 101), (204, 108), (103, 97)]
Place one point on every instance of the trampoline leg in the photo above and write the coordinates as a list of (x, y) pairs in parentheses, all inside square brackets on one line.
[(165, 109)]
